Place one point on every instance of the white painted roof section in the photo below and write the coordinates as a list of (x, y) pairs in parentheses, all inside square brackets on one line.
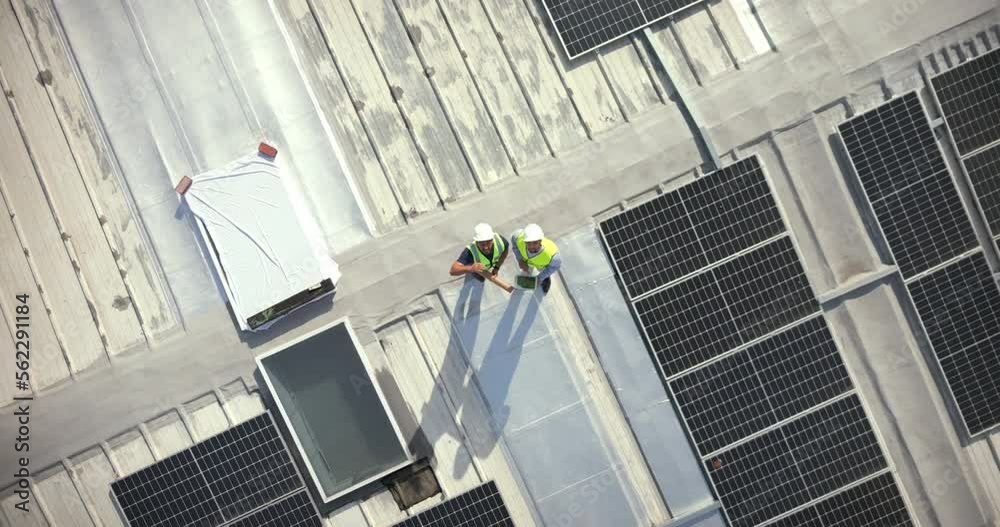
[(265, 245)]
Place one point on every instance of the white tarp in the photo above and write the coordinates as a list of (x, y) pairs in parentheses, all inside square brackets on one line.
[(266, 246)]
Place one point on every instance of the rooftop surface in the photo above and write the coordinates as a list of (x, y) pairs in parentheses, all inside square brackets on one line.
[(405, 123)]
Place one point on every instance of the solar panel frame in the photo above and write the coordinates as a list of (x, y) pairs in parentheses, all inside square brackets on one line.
[(659, 10), (969, 98), (926, 171), (482, 506)]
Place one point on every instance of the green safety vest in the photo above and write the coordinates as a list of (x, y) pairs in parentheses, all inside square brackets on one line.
[(542, 259), (478, 256)]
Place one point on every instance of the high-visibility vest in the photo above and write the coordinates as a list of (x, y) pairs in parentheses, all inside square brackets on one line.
[(490, 263), (540, 260)]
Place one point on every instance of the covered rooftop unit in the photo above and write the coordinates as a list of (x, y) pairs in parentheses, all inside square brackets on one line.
[(267, 250)]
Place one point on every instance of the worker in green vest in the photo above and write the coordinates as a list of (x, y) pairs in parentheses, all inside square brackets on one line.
[(533, 250), (486, 253)]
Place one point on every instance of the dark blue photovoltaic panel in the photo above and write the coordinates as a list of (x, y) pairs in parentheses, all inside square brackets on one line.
[(803, 460), (903, 172), (874, 503), (480, 507), (970, 100), (213, 482), (584, 25), (171, 492), (714, 311), (705, 221), (247, 466), (762, 385), (959, 306)]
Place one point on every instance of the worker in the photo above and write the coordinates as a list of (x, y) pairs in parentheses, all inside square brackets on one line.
[(486, 253), (533, 250)]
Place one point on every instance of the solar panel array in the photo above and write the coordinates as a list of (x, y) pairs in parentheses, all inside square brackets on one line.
[(584, 25), (482, 506), (739, 338), (904, 174), (216, 481), (949, 280), (970, 100)]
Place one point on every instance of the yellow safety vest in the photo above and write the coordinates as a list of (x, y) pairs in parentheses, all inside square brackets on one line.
[(540, 260), (478, 256)]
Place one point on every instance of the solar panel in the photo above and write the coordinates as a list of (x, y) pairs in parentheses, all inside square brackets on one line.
[(984, 173), (482, 506), (906, 179), (296, 510), (247, 466), (714, 311), (803, 460), (584, 25), (925, 225), (171, 492), (970, 101), (762, 385), (960, 309), (732, 209), (653, 244), (677, 233), (876, 502), (215, 481)]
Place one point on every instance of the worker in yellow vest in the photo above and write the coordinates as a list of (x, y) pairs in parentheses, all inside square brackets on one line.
[(486, 253), (533, 250)]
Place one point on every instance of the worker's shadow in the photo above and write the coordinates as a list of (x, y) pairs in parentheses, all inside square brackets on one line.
[(488, 378)]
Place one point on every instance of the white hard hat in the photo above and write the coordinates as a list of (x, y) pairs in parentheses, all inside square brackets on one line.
[(533, 233), (483, 233)]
